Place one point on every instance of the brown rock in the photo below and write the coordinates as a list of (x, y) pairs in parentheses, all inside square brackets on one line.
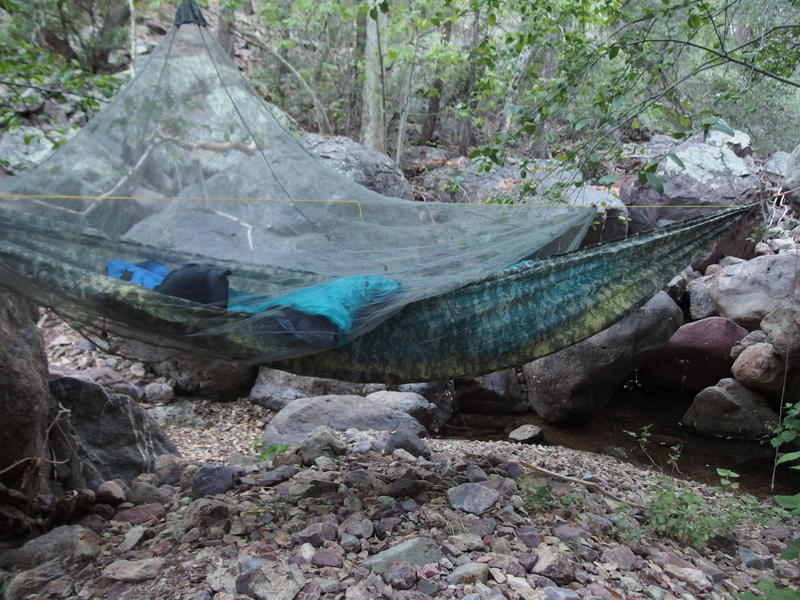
[(141, 514), (759, 367), (134, 570)]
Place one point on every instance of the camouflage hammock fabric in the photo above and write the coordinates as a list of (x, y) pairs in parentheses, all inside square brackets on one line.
[(524, 312)]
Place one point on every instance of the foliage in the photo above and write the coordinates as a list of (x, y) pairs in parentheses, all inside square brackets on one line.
[(788, 433), (267, 453), (771, 592)]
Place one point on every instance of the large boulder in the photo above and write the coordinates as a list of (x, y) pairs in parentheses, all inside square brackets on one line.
[(274, 389), (730, 410), (696, 356), (439, 393), (715, 170), (114, 434), (499, 392), (578, 381), (371, 169), (760, 368), (782, 328), (301, 417), (746, 292)]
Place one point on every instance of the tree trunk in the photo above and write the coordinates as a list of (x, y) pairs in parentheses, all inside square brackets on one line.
[(435, 100), (541, 147), (465, 128), (373, 128)]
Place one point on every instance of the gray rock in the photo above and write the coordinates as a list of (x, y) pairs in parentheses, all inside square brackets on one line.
[(777, 164), (141, 514), (416, 551), (24, 147), (730, 410), (760, 368), (73, 541), (752, 560), (132, 537), (792, 180), (401, 575), (214, 479), (499, 392), (110, 492), (554, 565), (277, 475), (115, 435), (782, 328), (293, 423), (106, 377), (528, 433), (323, 441), (275, 389), (177, 415), (716, 171), (748, 291), (439, 393), (204, 513), (408, 402), (471, 572), (141, 492), (408, 442), (317, 534), (371, 169), (701, 306), (578, 381), (27, 584), (196, 375), (754, 337), (473, 498), (134, 570), (159, 392)]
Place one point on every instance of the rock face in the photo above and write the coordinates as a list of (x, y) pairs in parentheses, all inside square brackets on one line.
[(373, 170), (499, 392), (697, 355), (116, 435), (730, 410), (24, 394), (296, 421), (748, 291), (579, 380), (715, 171)]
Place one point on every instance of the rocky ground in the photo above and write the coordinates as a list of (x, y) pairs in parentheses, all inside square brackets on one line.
[(362, 515)]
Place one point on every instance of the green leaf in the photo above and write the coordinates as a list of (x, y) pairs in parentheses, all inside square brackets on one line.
[(613, 51), (581, 124), (723, 127), (792, 551), (790, 502), (789, 456), (650, 167), (655, 182), (491, 19), (608, 179), (676, 159), (694, 21)]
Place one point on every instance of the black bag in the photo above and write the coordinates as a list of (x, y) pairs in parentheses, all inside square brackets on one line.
[(203, 283)]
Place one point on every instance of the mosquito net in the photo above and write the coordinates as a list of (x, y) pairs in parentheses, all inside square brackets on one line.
[(188, 190)]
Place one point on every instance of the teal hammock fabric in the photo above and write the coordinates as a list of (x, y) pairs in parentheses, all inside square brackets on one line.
[(524, 312)]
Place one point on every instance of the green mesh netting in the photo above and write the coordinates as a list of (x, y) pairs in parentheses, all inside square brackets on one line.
[(189, 166)]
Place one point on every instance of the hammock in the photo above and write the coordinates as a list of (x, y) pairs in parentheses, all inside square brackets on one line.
[(291, 263)]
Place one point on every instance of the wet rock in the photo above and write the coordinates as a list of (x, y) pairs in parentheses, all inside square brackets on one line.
[(760, 368), (578, 381), (697, 355), (416, 551), (473, 498), (139, 515), (410, 403), (495, 393), (134, 570), (527, 434), (409, 442), (322, 441), (400, 574), (75, 542), (729, 409), (296, 421), (209, 480)]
